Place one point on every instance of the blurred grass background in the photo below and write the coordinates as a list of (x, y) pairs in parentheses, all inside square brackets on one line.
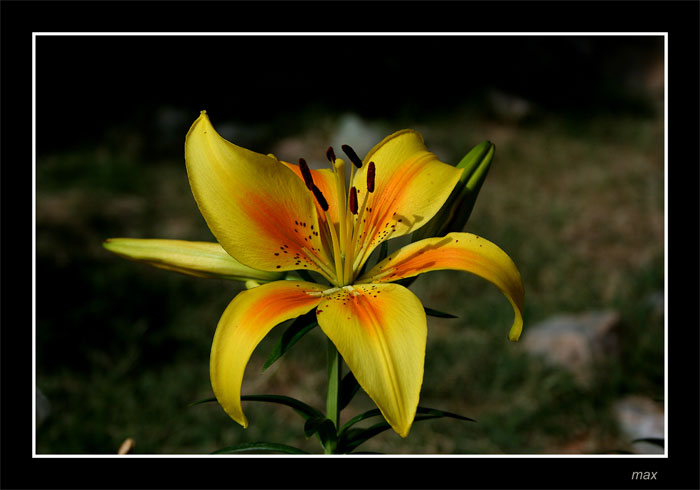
[(575, 196)]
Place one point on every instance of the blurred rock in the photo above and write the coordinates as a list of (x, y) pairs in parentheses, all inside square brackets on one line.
[(641, 418), (509, 107), (574, 341), (356, 132), (43, 407), (295, 147), (349, 129)]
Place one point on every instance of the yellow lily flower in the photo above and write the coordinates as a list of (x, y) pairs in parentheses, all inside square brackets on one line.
[(276, 216)]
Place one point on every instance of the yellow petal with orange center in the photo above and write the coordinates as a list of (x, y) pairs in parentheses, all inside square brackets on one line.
[(458, 251), (257, 208), (411, 185), (245, 322), (380, 330)]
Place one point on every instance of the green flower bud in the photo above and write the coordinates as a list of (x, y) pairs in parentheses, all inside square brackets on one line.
[(455, 212)]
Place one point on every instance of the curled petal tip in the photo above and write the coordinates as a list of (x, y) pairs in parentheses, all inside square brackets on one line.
[(516, 330)]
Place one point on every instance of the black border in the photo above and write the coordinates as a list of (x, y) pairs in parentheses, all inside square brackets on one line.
[(20, 19)]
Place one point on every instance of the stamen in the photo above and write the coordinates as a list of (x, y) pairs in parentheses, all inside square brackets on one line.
[(360, 224), (319, 197), (352, 200), (339, 167), (370, 177), (330, 154), (325, 271), (306, 174), (352, 156)]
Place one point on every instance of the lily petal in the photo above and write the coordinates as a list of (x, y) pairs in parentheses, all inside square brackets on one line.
[(245, 322), (459, 251), (201, 259), (259, 211), (411, 185), (380, 330)]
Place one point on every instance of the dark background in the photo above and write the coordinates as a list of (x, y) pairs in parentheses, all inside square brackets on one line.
[(109, 80)]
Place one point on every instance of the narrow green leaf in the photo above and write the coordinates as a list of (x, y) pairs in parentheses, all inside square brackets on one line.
[(350, 434), (438, 313), (348, 389), (206, 400), (358, 418), (296, 330), (325, 429), (260, 446), (422, 413), (354, 438), (300, 407), (349, 439), (312, 425), (431, 413)]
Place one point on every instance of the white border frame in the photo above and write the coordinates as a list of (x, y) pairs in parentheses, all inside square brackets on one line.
[(347, 34)]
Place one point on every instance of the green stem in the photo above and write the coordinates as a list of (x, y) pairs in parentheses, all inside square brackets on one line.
[(332, 402)]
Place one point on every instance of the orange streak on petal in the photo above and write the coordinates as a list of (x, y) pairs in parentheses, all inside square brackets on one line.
[(244, 323), (271, 306), (380, 330), (459, 251), (227, 182), (387, 201), (409, 191), (289, 233)]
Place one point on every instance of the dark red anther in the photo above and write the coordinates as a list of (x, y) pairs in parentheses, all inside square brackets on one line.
[(352, 156), (370, 177), (306, 174), (330, 154), (352, 200), (319, 197)]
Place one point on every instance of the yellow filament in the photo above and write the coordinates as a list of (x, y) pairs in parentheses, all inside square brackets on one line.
[(339, 167), (325, 271), (336, 250), (359, 228), (350, 233)]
